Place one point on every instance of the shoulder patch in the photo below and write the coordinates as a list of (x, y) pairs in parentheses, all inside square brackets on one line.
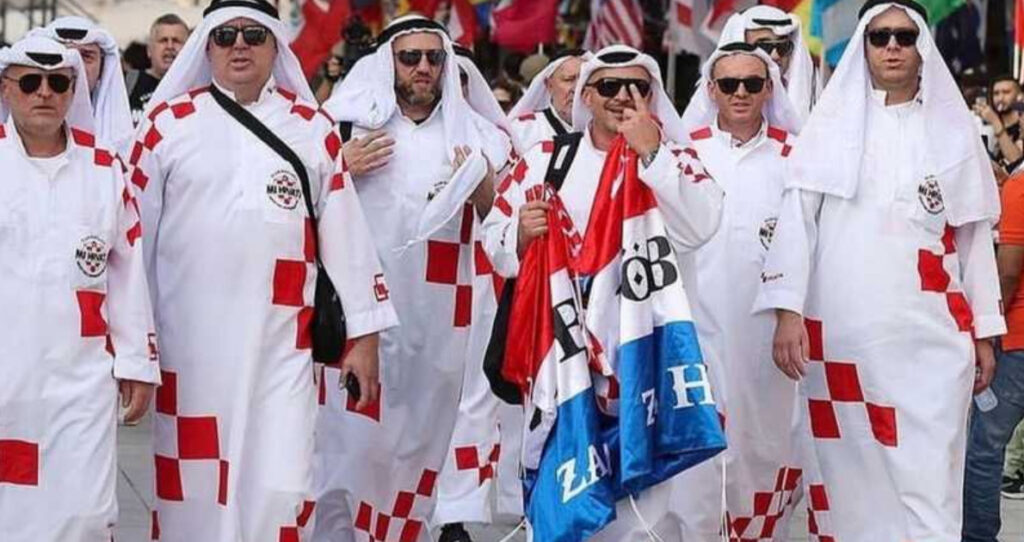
[(702, 133)]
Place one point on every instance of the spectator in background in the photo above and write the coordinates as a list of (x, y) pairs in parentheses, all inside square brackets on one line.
[(135, 57), (167, 35), (1002, 112), (993, 423), (506, 92), (356, 42)]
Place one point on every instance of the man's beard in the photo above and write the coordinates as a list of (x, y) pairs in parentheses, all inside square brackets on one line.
[(407, 94)]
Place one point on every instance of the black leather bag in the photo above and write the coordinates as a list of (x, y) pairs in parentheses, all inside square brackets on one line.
[(328, 325)]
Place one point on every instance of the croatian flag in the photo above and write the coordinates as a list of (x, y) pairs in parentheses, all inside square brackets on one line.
[(602, 345)]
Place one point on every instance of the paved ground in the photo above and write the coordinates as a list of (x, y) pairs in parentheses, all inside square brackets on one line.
[(135, 495)]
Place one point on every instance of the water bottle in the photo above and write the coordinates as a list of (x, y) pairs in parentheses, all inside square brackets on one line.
[(986, 400)]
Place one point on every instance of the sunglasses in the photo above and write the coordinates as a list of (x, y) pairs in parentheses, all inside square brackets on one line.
[(784, 47), (30, 83), (730, 85), (253, 35), (412, 57), (609, 87), (881, 37)]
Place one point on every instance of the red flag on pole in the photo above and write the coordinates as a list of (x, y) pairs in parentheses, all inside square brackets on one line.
[(321, 29), (521, 25)]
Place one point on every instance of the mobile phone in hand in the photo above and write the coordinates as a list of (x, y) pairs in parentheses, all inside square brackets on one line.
[(352, 385)]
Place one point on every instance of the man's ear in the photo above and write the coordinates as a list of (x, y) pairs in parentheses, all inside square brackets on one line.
[(588, 96)]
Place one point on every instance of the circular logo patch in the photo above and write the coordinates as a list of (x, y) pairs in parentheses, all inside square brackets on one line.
[(931, 195), (91, 256), (284, 190), (767, 231)]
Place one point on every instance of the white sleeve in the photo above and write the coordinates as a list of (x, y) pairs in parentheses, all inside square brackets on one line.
[(688, 197), (146, 173), (787, 268), (501, 225), (980, 278), (128, 306), (347, 250)]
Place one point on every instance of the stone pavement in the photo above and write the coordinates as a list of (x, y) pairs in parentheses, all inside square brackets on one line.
[(135, 496)]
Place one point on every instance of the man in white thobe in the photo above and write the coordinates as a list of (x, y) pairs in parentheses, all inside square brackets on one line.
[(606, 105), (102, 59), (546, 107), (76, 324), (882, 275), (423, 205), (233, 262), (746, 133)]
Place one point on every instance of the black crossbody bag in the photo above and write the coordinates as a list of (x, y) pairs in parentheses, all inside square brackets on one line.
[(328, 325)]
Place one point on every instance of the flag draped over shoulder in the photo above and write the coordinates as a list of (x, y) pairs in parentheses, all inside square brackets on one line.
[(617, 397)]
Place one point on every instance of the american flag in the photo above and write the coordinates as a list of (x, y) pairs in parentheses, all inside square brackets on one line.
[(613, 22)]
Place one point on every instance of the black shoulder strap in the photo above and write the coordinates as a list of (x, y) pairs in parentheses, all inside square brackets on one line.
[(280, 147), (554, 122), (562, 156), (345, 130)]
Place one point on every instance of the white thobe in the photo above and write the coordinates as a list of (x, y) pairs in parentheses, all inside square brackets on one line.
[(76, 317), (541, 125), (892, 295), (230, 256), (755, 399), (383, 484), (691, 208)]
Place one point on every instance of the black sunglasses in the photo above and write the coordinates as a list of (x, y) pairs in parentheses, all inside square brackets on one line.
[(730, 85), (253, 35), (29, 83), (880, 37), (609, 87), (784, 47), (412, 57)]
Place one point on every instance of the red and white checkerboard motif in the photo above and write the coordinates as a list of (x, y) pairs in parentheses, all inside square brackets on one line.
[(931, 268), (769, 507), (516, 175), (371, 410), (817, 512), (19, 462), (469, 458), (398, 526), (198, 439), (180, 107), (843, 386), (443, 267), (290, 533), (782, 136)]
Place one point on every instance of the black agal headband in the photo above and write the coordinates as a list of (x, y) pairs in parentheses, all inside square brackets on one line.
[(909, 4), (259, 5), (409, 25)]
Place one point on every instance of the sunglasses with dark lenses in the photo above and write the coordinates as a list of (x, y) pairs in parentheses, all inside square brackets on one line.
[(880, 37), (609, 87), (412, 57), (29, 83), (252, 35), (730, 85), (784, 47)]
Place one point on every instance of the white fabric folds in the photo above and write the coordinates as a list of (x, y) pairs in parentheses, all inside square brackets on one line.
[(537, 96), (46, 54), (702, 110), (110, 98), (827, 157)]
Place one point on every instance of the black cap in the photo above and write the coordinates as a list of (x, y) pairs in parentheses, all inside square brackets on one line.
[(259, 5), (909, 4)]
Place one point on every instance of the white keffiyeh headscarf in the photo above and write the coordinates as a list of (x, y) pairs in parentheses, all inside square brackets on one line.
[(537, 96), (46, 54), (803, 82), (111, 111), (702, 110), (623, 56), (191, 68), (827, 156), (481, 98)]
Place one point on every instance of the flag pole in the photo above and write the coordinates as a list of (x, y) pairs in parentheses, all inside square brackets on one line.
[(673, 58)]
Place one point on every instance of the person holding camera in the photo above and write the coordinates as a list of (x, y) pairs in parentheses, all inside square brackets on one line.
[(1002, 113)]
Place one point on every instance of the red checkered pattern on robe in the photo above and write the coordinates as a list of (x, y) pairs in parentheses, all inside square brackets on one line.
[(371, 410), (399, 525), (769, 507), (180, 108), (19, 462), (198, 439), (931, 267), (469, 458), (290, 533), (443, 265), (843, 385), (817, 513)]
